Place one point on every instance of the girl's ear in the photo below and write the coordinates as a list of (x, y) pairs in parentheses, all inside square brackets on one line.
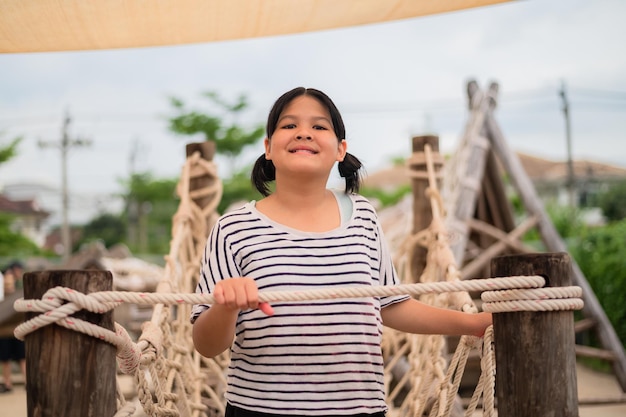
[(342, 150), (268, 147)]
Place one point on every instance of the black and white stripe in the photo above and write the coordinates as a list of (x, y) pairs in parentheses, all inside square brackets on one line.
[(315, 357)]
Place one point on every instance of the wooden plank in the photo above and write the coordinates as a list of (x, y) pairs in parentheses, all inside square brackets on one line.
[(584, 324), (499, 235), (471, 268), (591, 352), (464, 180), (498, 199)]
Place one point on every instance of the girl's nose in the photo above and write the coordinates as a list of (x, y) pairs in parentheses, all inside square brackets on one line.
[(303, 136)]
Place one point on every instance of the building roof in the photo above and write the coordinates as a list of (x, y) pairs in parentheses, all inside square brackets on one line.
[(21, 207), (541, 170), (538, 170)]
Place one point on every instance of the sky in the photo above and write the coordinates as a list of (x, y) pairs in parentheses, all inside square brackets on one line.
[(391, 81)]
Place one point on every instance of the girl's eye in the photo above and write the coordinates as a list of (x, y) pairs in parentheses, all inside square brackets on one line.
[(288, 126), (318, 127)]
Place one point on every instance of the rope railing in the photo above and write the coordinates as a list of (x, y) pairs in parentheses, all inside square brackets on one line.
[(164, 351), (53, 303), (516, 293)]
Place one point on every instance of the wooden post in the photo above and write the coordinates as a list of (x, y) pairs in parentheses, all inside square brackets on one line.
[(422, 211), (197, 182), (207, 152), (69, 373), (535, 355)]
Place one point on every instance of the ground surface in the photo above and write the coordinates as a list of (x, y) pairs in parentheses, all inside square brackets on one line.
[(590, 385)]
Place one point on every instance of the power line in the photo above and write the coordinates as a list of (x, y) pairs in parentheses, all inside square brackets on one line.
[(600, 94), (442, 104)]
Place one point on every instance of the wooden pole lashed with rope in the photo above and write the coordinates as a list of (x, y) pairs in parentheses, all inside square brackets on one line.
[(535, 352), (422, 210), (69, 373)]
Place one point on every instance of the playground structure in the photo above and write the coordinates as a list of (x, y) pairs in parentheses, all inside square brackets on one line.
[(172, 379)]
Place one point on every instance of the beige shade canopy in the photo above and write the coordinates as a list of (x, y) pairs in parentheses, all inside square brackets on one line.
[(69, 25)]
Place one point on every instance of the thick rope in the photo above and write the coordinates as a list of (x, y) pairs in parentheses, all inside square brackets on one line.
[(541, 299), (100, 302)]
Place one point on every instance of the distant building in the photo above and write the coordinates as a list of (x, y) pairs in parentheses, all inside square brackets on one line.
[(28, 218), (550, 179)]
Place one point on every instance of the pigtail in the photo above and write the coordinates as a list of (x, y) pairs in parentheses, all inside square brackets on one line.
[(349, 169), (263, 172)]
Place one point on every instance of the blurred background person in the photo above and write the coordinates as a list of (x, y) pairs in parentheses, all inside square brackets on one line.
[(11, 348)]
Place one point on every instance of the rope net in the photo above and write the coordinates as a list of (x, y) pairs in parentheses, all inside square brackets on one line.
[(172, 379)]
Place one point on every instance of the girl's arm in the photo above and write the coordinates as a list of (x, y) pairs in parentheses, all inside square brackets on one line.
[(412, 316), (214, 330)]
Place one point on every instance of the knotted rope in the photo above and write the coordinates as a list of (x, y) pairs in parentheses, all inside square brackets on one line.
[(58, 304)]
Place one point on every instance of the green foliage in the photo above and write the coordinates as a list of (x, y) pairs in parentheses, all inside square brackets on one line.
[(143, 187), (231, 138), (567, 221), (9, 151), (150, 205), (108, 228), (15, 244), (601, 255), (386, 198), (237, 188), (613, 202)]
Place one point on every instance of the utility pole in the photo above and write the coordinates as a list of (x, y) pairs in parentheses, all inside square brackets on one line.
[(132, 204), (64, 145), (570, 163)]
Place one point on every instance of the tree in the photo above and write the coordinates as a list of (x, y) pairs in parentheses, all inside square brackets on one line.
[(236, 189), (11, 243), (613, 202), (601, 255), (9, 151), (150, 205), (230, 138), (15, 244), (107, 227)]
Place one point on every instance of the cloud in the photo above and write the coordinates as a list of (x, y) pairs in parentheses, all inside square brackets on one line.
[(391, 81)]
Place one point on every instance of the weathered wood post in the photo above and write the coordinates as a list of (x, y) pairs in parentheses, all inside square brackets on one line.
[(68, 373), (198, 182), (422, 211), (535, 355)]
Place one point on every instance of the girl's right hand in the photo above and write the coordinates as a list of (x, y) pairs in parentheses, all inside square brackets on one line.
[(240, 294)]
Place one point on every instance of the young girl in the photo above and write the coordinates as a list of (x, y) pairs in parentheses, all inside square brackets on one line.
[(315, 358)]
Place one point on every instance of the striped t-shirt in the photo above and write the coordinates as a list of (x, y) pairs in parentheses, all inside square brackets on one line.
[(312, 357)]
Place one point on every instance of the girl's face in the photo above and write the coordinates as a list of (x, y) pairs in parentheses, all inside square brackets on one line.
[(304, 139)]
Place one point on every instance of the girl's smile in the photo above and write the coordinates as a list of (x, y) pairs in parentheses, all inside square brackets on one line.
[(304, 128)]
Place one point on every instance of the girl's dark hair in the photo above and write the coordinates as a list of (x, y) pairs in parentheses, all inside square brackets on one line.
[(264, 171)]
